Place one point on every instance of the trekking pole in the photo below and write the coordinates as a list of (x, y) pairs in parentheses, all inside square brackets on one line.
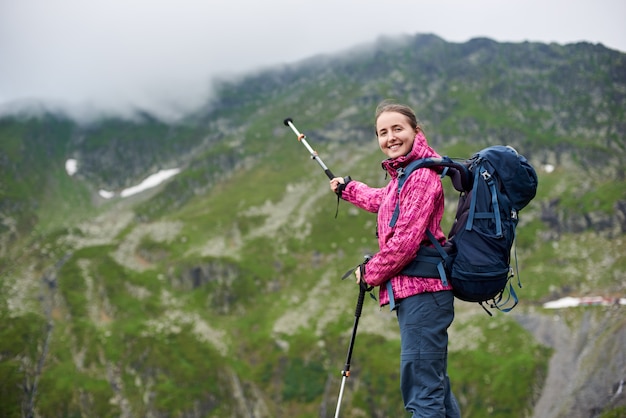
[(302, 138), (345, 373)]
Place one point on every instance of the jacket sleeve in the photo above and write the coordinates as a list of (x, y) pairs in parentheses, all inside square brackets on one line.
[(421, 207), (363, 196)]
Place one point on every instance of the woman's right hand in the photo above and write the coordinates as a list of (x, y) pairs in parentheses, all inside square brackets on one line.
[(334, 183)]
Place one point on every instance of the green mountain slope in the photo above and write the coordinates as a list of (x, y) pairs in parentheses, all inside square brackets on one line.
[(218, 293)]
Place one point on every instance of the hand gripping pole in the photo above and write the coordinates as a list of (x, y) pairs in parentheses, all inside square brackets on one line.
[(302, 138)]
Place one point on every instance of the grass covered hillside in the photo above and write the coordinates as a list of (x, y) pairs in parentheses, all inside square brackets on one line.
[(219, 293)]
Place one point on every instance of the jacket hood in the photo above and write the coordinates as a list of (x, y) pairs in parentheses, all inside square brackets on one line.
[(420, 149)]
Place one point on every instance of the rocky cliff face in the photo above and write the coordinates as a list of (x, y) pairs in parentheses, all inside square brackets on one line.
[(587, 370), (610, 224)]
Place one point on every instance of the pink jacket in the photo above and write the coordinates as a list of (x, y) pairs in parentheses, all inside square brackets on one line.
[(421, 208)]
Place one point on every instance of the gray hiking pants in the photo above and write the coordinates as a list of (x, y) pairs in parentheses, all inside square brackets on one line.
[(424, 320)]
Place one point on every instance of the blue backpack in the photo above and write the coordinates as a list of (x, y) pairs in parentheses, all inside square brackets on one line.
[(495, 184)]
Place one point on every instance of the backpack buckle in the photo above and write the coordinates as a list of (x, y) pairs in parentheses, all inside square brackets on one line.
[(486, 176)]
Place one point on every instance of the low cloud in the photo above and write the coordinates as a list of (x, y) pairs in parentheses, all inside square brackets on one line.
[(163, 57)]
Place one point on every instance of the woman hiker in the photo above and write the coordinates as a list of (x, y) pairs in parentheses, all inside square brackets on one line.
[(424, 306)]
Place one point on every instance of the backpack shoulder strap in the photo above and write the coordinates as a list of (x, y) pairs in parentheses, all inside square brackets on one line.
[(403, 174), (458, 173)]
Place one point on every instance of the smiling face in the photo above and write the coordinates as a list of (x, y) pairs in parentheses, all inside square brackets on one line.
[(395, 134)]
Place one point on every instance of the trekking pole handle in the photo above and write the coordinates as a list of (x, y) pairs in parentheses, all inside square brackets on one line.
[(359, 302), (363, 288), (302, 138)]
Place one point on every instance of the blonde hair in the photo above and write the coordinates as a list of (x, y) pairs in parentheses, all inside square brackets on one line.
[(391, 106)]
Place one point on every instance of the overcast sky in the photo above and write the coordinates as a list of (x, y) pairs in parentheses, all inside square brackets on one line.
[(161, 55)]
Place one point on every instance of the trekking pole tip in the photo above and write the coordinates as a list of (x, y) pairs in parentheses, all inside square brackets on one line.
[(287, 121)]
